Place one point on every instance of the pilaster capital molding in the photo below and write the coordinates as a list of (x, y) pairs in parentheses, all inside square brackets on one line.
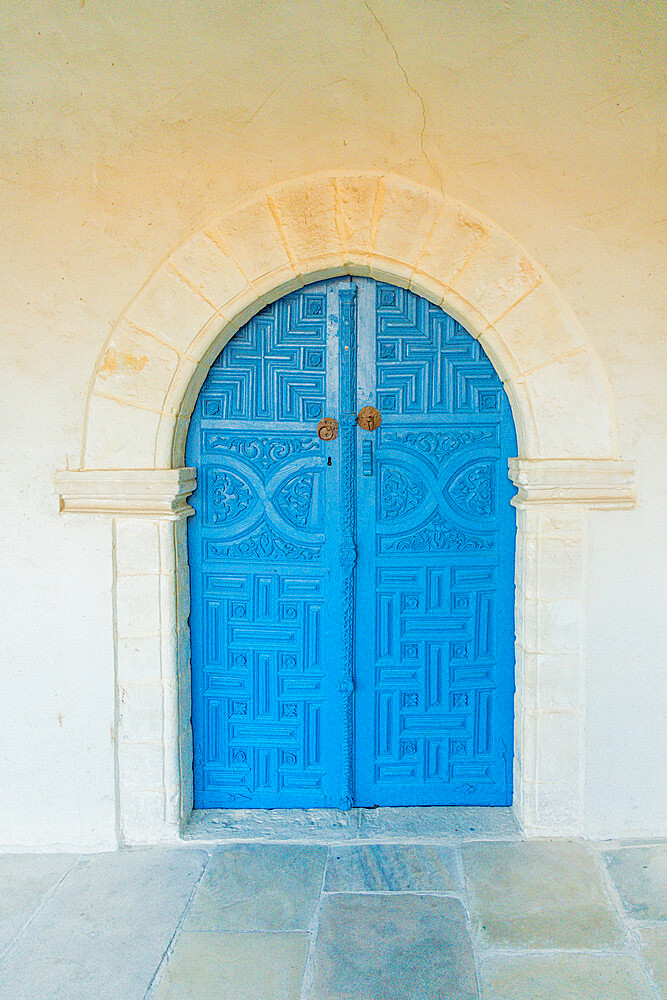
[(599, 484), (127, 492)]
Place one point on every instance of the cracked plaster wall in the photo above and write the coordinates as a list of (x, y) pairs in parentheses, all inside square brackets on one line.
[(125, 127)]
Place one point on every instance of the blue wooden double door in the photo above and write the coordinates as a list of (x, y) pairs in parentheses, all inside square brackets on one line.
[(352, 593)]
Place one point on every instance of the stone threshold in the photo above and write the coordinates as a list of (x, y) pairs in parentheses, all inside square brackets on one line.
[(414, 824)]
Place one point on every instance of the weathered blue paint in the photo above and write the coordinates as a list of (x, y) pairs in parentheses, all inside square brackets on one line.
[(435, 579), (352, 600)]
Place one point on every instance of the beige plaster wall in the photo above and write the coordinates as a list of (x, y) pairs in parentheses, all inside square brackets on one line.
[(126, 126)]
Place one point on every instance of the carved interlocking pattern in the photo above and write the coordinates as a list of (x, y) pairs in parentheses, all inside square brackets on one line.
[(441, 643), (352, 594), (261, 683)]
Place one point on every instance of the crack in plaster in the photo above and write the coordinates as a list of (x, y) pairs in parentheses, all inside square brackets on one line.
[(261, 105), (413, 90)]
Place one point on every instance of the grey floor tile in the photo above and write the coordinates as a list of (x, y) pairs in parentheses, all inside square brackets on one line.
[(259, 887), (539, 894), (654, 941), (390, 867), (103, 932), (640, 875), (212, 966), (392, 947), (446, 822), (563, 977), (24, 881)]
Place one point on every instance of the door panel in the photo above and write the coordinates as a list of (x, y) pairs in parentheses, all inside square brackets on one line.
[(352, 600), (267, 712), (435, 534)]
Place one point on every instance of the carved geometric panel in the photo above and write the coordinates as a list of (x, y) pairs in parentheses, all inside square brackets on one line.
[(434, 694), (434, 678), (274, 368), (263, 676), (263, 689), (427, 363), (352, 602)]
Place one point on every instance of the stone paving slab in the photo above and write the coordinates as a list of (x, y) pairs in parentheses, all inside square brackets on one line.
[(564, 977), (103, 932), (391, 868), (654, 942), (212, 966), (545, 894), (439, 822), (640, 876), (25, 879), (98, 927), (259, 887), (403, 947)]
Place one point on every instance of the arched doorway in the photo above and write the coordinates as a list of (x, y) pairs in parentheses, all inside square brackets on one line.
[(352, 585), (131, 466)]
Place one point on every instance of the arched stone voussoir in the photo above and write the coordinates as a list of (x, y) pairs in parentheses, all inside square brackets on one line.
[(254, 241), (207, 266), (170, 308), (396, 272), (497, 275), (321, 226), (456, 235), (356, 212), (306, 217), (524, 419), (536, 330), (135, 368), (405, 217)]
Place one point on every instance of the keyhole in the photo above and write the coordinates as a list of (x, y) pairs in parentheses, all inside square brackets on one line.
[(329, 460)]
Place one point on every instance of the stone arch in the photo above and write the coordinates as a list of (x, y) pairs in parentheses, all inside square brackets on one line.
[(386, 227), (143, 392)]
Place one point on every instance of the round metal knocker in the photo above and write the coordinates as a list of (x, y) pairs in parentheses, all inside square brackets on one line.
[(369, 418), (327, 429)]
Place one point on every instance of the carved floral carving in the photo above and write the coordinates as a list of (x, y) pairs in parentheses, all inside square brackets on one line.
[(441, 444), (263, 451), (401, 493), (229, 496), (437, 536), (294, 499), (472, 490), (264, 543)]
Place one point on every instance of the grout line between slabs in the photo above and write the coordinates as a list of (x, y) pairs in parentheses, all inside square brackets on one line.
[(465, 901), (440, 893), (309, 966), (512, 951), (249, 931), (43, 902), (629, 927), (437, 840), (162, 964)]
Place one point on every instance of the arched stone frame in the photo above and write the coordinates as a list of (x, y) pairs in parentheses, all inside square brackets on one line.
[(145, 386)]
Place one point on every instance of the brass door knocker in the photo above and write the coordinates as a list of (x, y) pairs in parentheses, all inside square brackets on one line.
[(369, 418), (327, 429)]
